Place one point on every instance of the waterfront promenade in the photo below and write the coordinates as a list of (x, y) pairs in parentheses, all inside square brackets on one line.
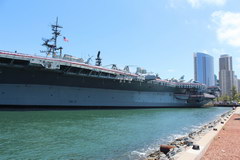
[(222, 143), (226, 145)]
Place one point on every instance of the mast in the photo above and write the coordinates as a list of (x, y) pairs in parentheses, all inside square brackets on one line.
[(51, 44)]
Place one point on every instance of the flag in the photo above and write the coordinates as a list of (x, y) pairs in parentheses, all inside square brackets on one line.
[(65, 39)]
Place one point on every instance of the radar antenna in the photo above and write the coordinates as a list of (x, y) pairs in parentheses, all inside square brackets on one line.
[(51, 44), (88, 60), (98, 59)]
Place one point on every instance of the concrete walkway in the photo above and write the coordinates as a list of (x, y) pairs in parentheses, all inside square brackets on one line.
[(226, 145), (223, 135)]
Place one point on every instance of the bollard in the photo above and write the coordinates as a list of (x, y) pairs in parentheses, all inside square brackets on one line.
[(196, 147)]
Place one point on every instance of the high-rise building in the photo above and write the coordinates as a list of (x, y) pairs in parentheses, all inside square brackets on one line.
[(226, 74), (238, 85), (235, 82), (216, 81), (203, 69)]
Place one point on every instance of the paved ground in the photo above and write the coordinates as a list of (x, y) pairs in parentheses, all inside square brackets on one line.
[(226, 145)]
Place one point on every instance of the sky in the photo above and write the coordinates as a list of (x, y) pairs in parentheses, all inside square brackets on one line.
[(158, 35)]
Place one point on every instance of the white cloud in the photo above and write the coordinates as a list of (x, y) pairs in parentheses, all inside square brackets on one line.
[(228, 27), (198, 3)]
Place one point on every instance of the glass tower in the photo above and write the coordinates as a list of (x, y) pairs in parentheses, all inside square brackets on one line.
[(203, 69)]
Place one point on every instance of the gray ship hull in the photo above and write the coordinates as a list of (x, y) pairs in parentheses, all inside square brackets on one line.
[(46, 95), (27, 81)]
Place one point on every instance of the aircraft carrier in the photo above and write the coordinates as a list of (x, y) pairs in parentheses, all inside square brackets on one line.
[(61, 80)]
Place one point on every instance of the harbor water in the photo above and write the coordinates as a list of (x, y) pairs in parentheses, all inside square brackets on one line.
[(96, 134)]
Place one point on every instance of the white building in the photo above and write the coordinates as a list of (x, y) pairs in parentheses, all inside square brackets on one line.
[(226, 74)]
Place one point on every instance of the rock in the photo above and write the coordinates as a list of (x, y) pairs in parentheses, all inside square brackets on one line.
[(153, 158), (179, 139), (189, 143), (172, 152), (210, 126), (163, 157), (173, 143), (180, 149), (186, 139), (215, 129), (192, 135)]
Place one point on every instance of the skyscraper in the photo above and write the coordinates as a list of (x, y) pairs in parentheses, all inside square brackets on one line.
[(238, 85), (235, 82), (226, 74), (203, 69)]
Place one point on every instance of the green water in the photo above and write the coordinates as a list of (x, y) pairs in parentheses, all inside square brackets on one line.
[(95, 134)]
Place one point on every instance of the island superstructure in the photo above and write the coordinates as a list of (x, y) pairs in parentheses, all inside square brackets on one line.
[(64, 80)]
